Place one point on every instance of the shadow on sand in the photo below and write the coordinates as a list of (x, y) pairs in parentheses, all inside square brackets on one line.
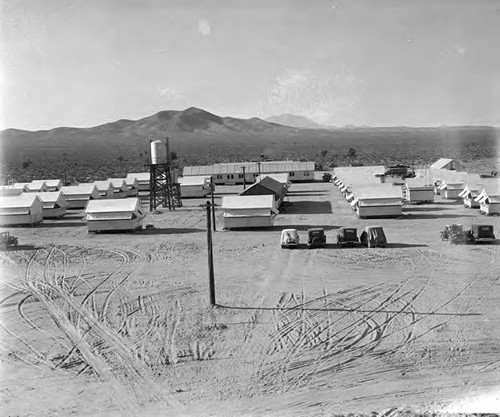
[(21, 247), (279, 228), (306, 207), (169, 231), (411, 216)]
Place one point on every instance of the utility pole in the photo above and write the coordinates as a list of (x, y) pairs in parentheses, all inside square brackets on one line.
[(212, 189), (258, 164), (211, 279), (244, 178)]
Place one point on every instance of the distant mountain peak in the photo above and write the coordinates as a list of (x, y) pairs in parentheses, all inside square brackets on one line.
[(294, 120)]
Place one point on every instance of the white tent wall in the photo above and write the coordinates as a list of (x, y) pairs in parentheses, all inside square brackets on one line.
[(419, 195), (54, 204), (25, 209), (77, 196), (104, 188), (53, 184), (142, 180), (490, 207), (364, 210), (114, 215), (248, 211), (120, 189), (194, 186), (10, 190)]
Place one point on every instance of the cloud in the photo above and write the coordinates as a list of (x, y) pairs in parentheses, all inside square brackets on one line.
[(204, 27), (325, 97), (170, 93)]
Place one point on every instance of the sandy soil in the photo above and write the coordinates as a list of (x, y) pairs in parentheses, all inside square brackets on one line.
[(119, 324)]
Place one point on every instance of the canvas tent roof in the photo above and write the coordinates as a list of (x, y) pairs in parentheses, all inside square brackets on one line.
[(418, 183), (103, 185), (10, 190), (250, 167), (108, 206), (249, 202), (53, 183), (36, 186), (377, 191), (80, 189), (440, 163), (21, 201), (194, 180), (118, 183), (139, 176)]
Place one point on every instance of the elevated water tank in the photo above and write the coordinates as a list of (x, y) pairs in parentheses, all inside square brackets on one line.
[(158, 152)]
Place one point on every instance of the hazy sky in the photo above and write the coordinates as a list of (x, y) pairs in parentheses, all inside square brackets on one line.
[(372, 62)]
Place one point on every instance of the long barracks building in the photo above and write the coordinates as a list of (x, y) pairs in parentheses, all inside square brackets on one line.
[(232, 173)]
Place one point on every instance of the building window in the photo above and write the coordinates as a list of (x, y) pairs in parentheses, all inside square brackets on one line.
[(230, 176), (240, 175), (219, 177), (306, 174), (255, 175), (292, 174)]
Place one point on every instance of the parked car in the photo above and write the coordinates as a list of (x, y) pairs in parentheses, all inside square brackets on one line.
[(316, 238), (347, 236), (373, 236), (289, 238), (6, 240), (453, 233), (479, 233)]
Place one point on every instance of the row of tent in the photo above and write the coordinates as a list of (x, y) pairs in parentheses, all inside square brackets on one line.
[(369, 197), (100, 215), (131, 186), (257, 205)]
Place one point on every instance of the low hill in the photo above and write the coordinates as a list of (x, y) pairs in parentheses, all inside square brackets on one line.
[(294, 120), (201, 137)]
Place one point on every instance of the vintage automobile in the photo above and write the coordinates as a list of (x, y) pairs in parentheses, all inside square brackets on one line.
[(289, 238), (316, 238), (373, 236), (480, 233), (453, 233), (347, 236), (6, 240)]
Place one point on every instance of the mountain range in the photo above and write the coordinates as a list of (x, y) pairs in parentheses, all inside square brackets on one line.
[(198, 136)]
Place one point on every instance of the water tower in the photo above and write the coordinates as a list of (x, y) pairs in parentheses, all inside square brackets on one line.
[(164, 190)]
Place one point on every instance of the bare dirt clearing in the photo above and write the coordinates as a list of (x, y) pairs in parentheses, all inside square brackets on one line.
[(112, 324)]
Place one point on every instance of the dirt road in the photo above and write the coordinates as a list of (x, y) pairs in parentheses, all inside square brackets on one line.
[(297, 332)]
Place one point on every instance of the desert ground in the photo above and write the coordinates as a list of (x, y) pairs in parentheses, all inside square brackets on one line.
[(120, 324)]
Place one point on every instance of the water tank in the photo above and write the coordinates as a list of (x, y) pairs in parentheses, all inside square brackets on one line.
[(158, 152)]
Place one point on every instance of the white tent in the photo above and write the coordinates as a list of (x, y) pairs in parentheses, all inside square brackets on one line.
[(132, 186), (10, 190), (120, 189), (53, 184), (20, 210), (78, 196), (142, 179), (378, 200), (104, 188), (114, 215), (194, 186), (248, 211), (489, 198), (36, 187), (54, 204), (418, 191)]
